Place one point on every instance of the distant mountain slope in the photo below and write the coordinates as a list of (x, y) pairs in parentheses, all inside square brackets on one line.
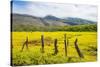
[(50, 17), (27, 22), (77, 21), (35, 21)]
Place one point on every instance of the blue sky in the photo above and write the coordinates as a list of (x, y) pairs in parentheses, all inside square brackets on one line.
[(60, 10)]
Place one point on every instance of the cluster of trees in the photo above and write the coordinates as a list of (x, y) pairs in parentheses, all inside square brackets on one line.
[(90, 27), (78, 28)]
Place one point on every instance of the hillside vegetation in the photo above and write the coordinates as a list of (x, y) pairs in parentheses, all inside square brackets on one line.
[(90, 27)]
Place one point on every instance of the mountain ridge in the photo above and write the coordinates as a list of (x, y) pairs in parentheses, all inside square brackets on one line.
[(67, 20), (20, 21)]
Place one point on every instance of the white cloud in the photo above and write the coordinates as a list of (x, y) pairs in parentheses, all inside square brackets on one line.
[(60, 10)]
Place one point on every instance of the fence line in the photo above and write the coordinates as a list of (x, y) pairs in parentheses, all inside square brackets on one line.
[(66, 43)]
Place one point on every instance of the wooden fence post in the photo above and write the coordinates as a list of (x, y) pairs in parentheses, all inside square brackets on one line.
[(25, 43), (56, 47), (66, 44), (42, 43), (77, 49)]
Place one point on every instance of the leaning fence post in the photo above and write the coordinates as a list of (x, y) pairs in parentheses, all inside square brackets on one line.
[(77, 49), (25, 43), (66, 44), (56, 47), (42, 43)]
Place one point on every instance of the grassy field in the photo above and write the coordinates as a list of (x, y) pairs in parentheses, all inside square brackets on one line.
[(87, 42)]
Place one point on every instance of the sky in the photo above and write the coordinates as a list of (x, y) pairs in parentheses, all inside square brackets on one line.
[(60, 10)]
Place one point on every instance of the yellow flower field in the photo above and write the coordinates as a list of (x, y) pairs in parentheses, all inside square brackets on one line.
[(87, 43)]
